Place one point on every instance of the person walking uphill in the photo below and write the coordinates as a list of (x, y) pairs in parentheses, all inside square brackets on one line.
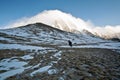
[(70, 43)]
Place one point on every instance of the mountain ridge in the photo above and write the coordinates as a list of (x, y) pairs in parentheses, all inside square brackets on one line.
[(44, 33), (46, 28), (67, 22)]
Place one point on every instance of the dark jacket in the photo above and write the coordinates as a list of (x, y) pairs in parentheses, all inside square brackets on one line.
[(70, 43)]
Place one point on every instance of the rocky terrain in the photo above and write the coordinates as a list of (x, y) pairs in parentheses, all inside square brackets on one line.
[(62, 64)]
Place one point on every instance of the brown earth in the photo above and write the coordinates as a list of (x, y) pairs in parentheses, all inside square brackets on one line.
[(75, 64)]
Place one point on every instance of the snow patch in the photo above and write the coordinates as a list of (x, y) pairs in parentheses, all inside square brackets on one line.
[(22, 47), (7, 64), (58, 55), (43, 69), (26, 57), (52, 71), (100, 45)]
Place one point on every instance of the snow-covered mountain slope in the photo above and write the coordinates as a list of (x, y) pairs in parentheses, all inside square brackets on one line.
[(56, 19), (41, 34), (67, 22)]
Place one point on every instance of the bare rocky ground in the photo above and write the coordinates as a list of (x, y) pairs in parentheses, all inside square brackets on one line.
[(65, 64)]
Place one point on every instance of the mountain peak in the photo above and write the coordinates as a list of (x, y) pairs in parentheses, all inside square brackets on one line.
[(67, 22), (56, 19), (61, 20)]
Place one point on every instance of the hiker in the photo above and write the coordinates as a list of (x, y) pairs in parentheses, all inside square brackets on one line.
[(70, 43)]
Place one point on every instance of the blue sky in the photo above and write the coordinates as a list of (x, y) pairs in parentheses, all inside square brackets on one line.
[(100, 12)]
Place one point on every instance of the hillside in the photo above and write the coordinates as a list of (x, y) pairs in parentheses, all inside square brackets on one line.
[(39, 51)]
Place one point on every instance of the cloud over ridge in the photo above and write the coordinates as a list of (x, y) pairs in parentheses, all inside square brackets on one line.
[(67, 22)]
